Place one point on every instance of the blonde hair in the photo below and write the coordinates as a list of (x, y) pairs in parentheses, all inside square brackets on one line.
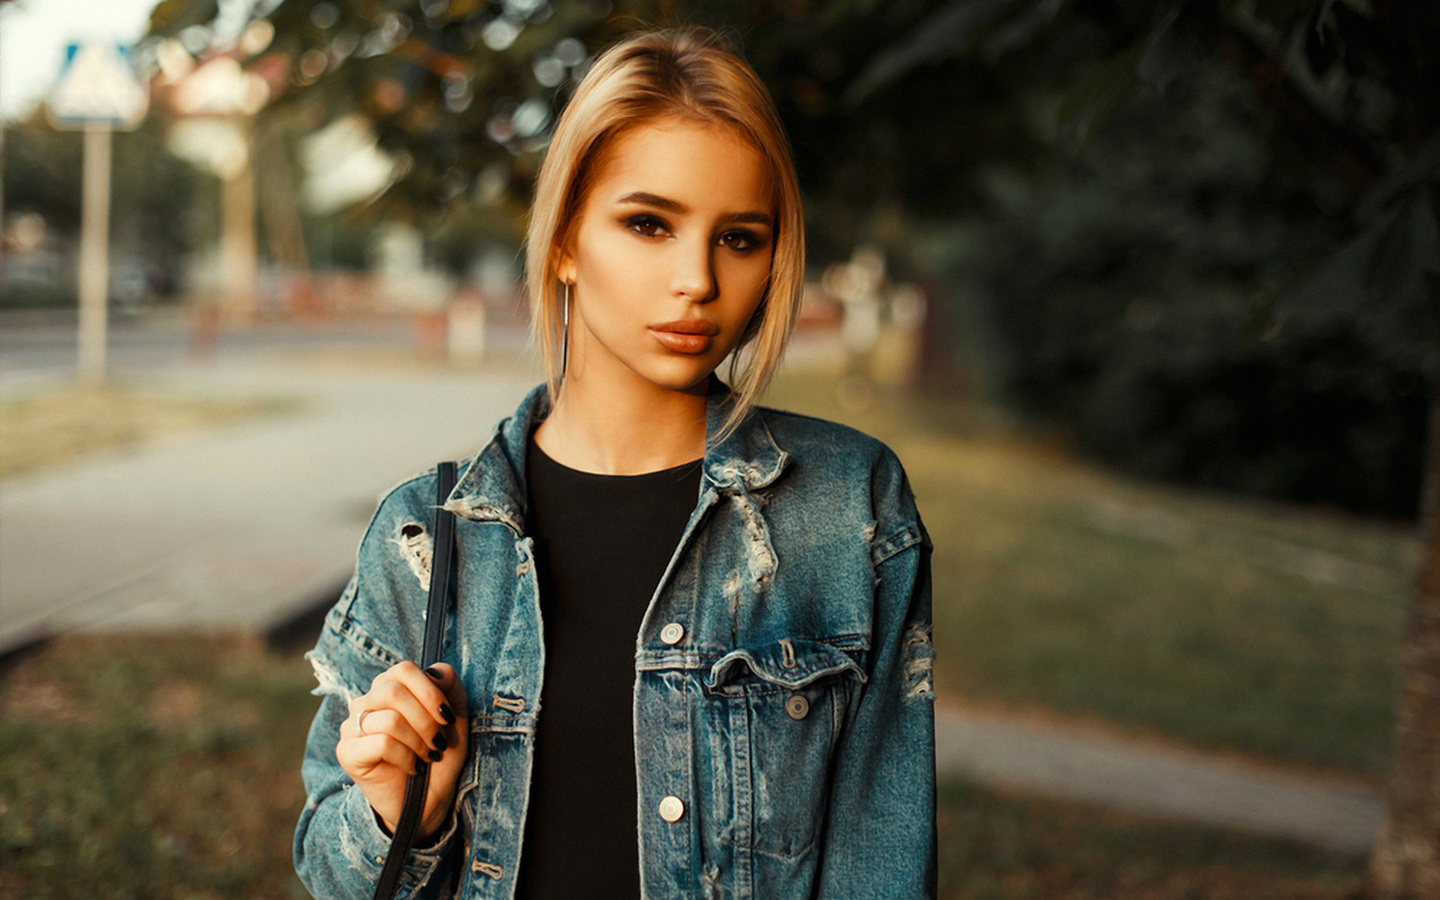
[(660, 74)]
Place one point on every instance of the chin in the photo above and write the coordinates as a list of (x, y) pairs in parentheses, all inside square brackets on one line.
[(679, 374)]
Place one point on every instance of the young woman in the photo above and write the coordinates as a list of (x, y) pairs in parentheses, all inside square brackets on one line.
[(690, 653)]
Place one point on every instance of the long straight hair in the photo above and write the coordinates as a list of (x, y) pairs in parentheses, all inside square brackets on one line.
[(682, 74)]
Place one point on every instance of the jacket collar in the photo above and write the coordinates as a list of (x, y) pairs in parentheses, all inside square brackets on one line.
[(747, 458), (492, 487)]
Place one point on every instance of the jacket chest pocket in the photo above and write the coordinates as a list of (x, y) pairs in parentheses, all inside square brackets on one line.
[(780, 708)]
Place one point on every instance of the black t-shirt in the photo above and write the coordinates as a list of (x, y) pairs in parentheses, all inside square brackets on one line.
[(602, 543)]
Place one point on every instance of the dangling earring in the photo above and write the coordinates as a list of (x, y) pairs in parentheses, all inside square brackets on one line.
[(565, 338)]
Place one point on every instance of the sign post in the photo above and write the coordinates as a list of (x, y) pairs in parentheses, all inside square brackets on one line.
[(96, 93), (95, 254)]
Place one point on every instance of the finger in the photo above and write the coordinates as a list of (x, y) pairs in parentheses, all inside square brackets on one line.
[(362, 756), (392, 723), (397, 696), (423, 687), (448, 681)]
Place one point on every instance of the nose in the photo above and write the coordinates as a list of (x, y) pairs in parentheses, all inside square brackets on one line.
[(694, 277)]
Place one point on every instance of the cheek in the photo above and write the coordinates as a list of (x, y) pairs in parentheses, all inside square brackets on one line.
[(617, 275), (746, 280), (601, 260)]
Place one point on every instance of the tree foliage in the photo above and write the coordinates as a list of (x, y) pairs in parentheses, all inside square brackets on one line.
[(157, 207), (1211, 257), (1131, 295), (461, 93), (1144, 275)]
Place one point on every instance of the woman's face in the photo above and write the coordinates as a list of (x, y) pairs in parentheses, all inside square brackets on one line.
[(670, 257)]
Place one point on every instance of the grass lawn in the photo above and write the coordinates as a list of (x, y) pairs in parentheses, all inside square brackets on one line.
[(151, 768), (168, 767), (1226, 622), (994, 847), (61, 423)]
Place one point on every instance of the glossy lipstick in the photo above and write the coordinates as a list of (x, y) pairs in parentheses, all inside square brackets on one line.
[(688, 336)]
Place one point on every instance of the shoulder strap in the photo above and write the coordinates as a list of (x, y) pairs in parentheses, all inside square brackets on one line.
[(440, 567), (435, 615)]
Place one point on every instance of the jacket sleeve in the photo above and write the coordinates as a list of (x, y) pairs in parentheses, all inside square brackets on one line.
[(339, 845), (880, 839)]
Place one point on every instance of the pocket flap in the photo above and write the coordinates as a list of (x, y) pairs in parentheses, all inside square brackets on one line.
[(788, 663)]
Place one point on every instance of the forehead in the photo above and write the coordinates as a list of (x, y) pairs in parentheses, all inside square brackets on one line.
[(686, 161)]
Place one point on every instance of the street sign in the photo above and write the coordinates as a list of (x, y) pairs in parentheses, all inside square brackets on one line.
[(97, 92), (98, 86)]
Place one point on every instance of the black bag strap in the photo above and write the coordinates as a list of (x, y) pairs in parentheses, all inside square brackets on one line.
[(435, 615)]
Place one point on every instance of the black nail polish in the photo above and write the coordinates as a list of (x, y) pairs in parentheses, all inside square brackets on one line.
[(447, 713), (435, 755), (440, 742), (433, 673)]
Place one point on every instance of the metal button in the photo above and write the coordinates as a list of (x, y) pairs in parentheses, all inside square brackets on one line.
[(672, 633), (797, 707), (671, 809)]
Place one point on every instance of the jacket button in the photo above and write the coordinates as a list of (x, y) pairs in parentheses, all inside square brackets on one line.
[(797, 707), (672, 633), (671, 809)]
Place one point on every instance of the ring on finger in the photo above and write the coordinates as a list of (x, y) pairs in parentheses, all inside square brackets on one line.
[(360, 722)]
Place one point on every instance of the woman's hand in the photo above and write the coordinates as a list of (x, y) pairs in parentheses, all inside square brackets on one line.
[(408, 714)]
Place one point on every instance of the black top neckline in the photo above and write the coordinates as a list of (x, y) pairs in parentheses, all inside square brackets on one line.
[(680, 471)]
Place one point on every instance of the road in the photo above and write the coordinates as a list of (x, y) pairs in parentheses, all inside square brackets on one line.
[(40, 345)]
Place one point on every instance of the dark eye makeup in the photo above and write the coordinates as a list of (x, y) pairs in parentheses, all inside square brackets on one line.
[(649, 225), (742, 240), (646, 224)]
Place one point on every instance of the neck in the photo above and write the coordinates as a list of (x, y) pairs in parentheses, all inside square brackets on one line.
[(625, 431)]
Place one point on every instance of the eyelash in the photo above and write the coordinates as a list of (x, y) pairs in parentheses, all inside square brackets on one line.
[(639, 224), (748, 240), (740, 240)]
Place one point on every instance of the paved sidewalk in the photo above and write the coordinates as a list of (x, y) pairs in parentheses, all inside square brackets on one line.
[(248, 525), (242, 526), (1085, 764)]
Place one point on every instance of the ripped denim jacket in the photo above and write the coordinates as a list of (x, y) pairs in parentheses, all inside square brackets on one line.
[(784, 724)]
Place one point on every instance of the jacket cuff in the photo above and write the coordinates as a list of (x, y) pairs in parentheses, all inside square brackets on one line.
[(369, 843)]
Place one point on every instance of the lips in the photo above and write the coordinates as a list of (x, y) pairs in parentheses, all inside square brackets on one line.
[(689, 336)]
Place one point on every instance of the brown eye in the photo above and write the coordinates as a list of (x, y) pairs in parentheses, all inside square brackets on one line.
[(646, 225), (740, 240)]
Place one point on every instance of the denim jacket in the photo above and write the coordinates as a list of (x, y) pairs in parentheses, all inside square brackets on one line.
[(783, 715)]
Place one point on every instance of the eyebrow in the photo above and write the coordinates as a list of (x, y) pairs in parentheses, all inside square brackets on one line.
[(753, 217)]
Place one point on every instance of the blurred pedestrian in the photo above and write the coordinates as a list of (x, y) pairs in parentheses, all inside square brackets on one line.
[(690, 651)]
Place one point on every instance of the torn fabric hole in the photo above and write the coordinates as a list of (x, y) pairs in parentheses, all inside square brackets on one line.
[(416, 548), (710, 883), (329, 678), (759, 553), (919, 663), (731, 591)]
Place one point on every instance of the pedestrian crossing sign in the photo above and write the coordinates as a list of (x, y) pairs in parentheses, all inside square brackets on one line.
[(98, 86)]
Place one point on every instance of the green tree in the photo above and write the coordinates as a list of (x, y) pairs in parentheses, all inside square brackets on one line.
[(461, 93), (1353, 83), (156, 198)]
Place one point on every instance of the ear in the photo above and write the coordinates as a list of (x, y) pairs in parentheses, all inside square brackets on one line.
[(565, 265)]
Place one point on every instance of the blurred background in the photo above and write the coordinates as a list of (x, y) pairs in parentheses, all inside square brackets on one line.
[(1143, 294)]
